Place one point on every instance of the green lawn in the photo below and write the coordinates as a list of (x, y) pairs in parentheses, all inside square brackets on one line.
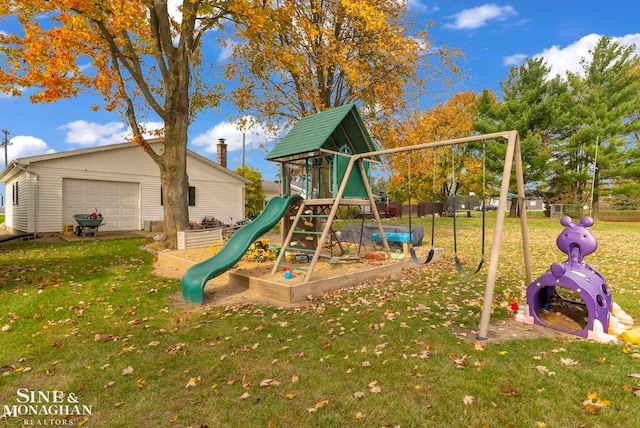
[(90, 320)]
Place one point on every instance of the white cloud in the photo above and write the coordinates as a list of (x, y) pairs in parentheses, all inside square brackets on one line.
[(232, 133), (23, 146), (85, 67), (226, 51), (479, 16), (561, 60), (630, 39), (418, 5), (174, 6), (15, 89), (150, 130), (88, 134), (516, 59)]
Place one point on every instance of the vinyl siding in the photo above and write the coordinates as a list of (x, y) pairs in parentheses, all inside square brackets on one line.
[(16, 215), (218, 199), (219, 193)]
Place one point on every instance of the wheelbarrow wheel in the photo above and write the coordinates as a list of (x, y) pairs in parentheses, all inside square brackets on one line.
[(78, 230)]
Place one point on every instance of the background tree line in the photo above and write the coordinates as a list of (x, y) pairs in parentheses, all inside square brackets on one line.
[(579, 134)]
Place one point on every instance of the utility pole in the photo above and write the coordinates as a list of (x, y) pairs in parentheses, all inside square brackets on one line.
[(243, 144), (5, 143)]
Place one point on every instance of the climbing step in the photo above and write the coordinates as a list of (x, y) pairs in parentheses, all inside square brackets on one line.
[(301, 250), (292, 267), (308, 232)]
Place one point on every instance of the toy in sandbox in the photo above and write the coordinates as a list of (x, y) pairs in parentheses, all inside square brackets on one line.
[(605, 320)]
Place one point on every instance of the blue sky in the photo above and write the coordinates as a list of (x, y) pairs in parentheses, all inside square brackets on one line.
[(492, 35)]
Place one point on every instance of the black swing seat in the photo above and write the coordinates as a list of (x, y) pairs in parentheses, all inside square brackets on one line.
[(417, 261), (463, 271)]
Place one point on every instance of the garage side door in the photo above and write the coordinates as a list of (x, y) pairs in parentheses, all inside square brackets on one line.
[(118, 202)]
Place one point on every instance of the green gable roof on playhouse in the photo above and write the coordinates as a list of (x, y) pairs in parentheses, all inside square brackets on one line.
[(331, 130)]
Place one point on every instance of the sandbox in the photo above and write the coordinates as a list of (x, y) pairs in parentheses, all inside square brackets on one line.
[(255, 280)]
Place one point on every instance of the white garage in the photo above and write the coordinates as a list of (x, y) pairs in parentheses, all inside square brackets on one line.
[(120, 181), (118, 202)]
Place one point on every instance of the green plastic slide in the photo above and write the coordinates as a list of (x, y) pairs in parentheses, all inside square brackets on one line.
[(196, 277)]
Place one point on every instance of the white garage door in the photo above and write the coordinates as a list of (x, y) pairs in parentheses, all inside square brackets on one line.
[(118, 202)]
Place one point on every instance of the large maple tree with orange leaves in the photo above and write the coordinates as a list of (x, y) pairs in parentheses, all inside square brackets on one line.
[(143, 60)]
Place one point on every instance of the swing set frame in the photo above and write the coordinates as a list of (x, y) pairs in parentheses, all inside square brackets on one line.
[(513, 156)]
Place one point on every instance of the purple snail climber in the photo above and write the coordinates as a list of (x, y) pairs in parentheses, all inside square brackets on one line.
[(577, 275)]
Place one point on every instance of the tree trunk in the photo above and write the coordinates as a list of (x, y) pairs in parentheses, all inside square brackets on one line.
[(513, 209), (175, 188), (595, 197), (173, 165)]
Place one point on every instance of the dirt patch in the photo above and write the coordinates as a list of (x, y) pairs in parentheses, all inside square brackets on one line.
[(506, 330), (565, 315)]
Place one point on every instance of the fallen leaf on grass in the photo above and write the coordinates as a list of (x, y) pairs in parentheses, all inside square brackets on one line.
[(460, 362), (176, 348), (634, 390), (568, 362), (246, 383), (321, 404), (105, 338), (594, 404), (141, 383), (374, 388), (269, 382), (468, 399), (358, 394), (127, 371), (479, 346), (510, 390), (245, 396), (545, 370), (191, 383)]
